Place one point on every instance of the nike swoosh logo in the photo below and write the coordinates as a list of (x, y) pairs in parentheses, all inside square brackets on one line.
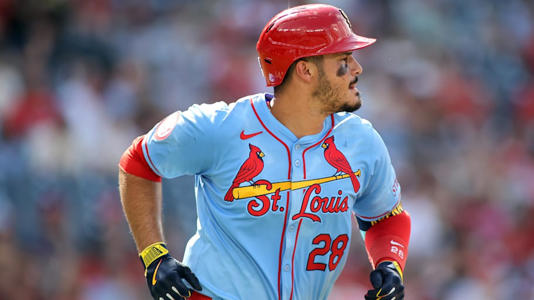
[(156, 272), (244, 136), (396, 244)]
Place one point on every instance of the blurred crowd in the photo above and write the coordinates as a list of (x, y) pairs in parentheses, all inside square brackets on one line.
[(449, 85)]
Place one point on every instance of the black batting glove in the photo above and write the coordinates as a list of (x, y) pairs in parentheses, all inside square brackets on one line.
[(164, 274), (387, 282)]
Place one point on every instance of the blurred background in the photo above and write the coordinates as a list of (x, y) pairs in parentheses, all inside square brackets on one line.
[(449, 85)]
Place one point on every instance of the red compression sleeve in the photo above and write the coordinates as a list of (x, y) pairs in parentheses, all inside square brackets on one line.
[(388, 240), (133, 161)]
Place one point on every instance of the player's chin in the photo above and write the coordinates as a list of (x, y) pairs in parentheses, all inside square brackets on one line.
[(350, 107), (353, 102)]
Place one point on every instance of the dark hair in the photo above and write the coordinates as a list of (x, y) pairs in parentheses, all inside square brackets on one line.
[(317, 60)]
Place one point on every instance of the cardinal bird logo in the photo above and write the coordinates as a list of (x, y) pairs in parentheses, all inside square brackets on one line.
[(337, 160), (249, 169)]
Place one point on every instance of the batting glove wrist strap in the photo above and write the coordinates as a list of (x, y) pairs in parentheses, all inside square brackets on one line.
[(153, 252), (387, 282), (167, 277), (397, 268)]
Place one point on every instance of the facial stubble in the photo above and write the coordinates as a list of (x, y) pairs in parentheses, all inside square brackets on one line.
[(331, 98)]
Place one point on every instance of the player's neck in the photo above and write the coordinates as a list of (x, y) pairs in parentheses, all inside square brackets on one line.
[(298, 114)]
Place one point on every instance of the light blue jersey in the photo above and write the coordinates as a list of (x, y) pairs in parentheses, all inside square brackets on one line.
[(274, 211)]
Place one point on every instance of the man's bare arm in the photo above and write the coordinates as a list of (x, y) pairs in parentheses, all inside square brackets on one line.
[(141, 202)]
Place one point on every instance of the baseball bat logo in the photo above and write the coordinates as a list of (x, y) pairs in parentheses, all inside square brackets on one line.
[(312, 203), (260, 188)]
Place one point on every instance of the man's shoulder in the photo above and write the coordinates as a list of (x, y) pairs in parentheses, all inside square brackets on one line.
[(217, 112), (208, 109), (221, 118), (359, 130), (351, 121)]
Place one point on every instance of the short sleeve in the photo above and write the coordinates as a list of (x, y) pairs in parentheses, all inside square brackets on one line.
[(181, 144), (383, 192)]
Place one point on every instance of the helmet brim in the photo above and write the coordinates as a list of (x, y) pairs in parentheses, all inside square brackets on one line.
[(351, 43)]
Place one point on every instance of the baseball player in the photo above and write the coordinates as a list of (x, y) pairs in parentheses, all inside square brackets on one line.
[(278, 178)]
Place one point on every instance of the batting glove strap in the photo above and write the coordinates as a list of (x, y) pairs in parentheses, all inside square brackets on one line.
[(153, 252), (397, 268), (166, 278), (387, 282)]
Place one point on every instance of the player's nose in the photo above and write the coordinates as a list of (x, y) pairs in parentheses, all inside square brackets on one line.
[(355, 67)]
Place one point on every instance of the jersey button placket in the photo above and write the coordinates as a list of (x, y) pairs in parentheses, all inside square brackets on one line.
[(290, 235), (286, 264)]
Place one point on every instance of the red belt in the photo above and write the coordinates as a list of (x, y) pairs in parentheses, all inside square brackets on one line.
[(197, 296)]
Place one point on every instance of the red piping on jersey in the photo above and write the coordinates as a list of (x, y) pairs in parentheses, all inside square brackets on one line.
[(300, 222), (287, 148), (287, 202), (293, 260), (322, 140), (150, 159)]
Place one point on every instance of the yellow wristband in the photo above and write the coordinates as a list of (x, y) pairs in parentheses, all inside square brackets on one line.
[(153, 252)]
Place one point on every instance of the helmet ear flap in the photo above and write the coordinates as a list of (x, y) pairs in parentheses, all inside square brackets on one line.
[(303, 31)]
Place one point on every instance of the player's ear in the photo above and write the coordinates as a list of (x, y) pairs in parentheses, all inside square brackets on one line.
[(305, 70)]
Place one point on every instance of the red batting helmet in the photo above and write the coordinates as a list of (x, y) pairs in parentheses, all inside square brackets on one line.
[(301, 31)]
